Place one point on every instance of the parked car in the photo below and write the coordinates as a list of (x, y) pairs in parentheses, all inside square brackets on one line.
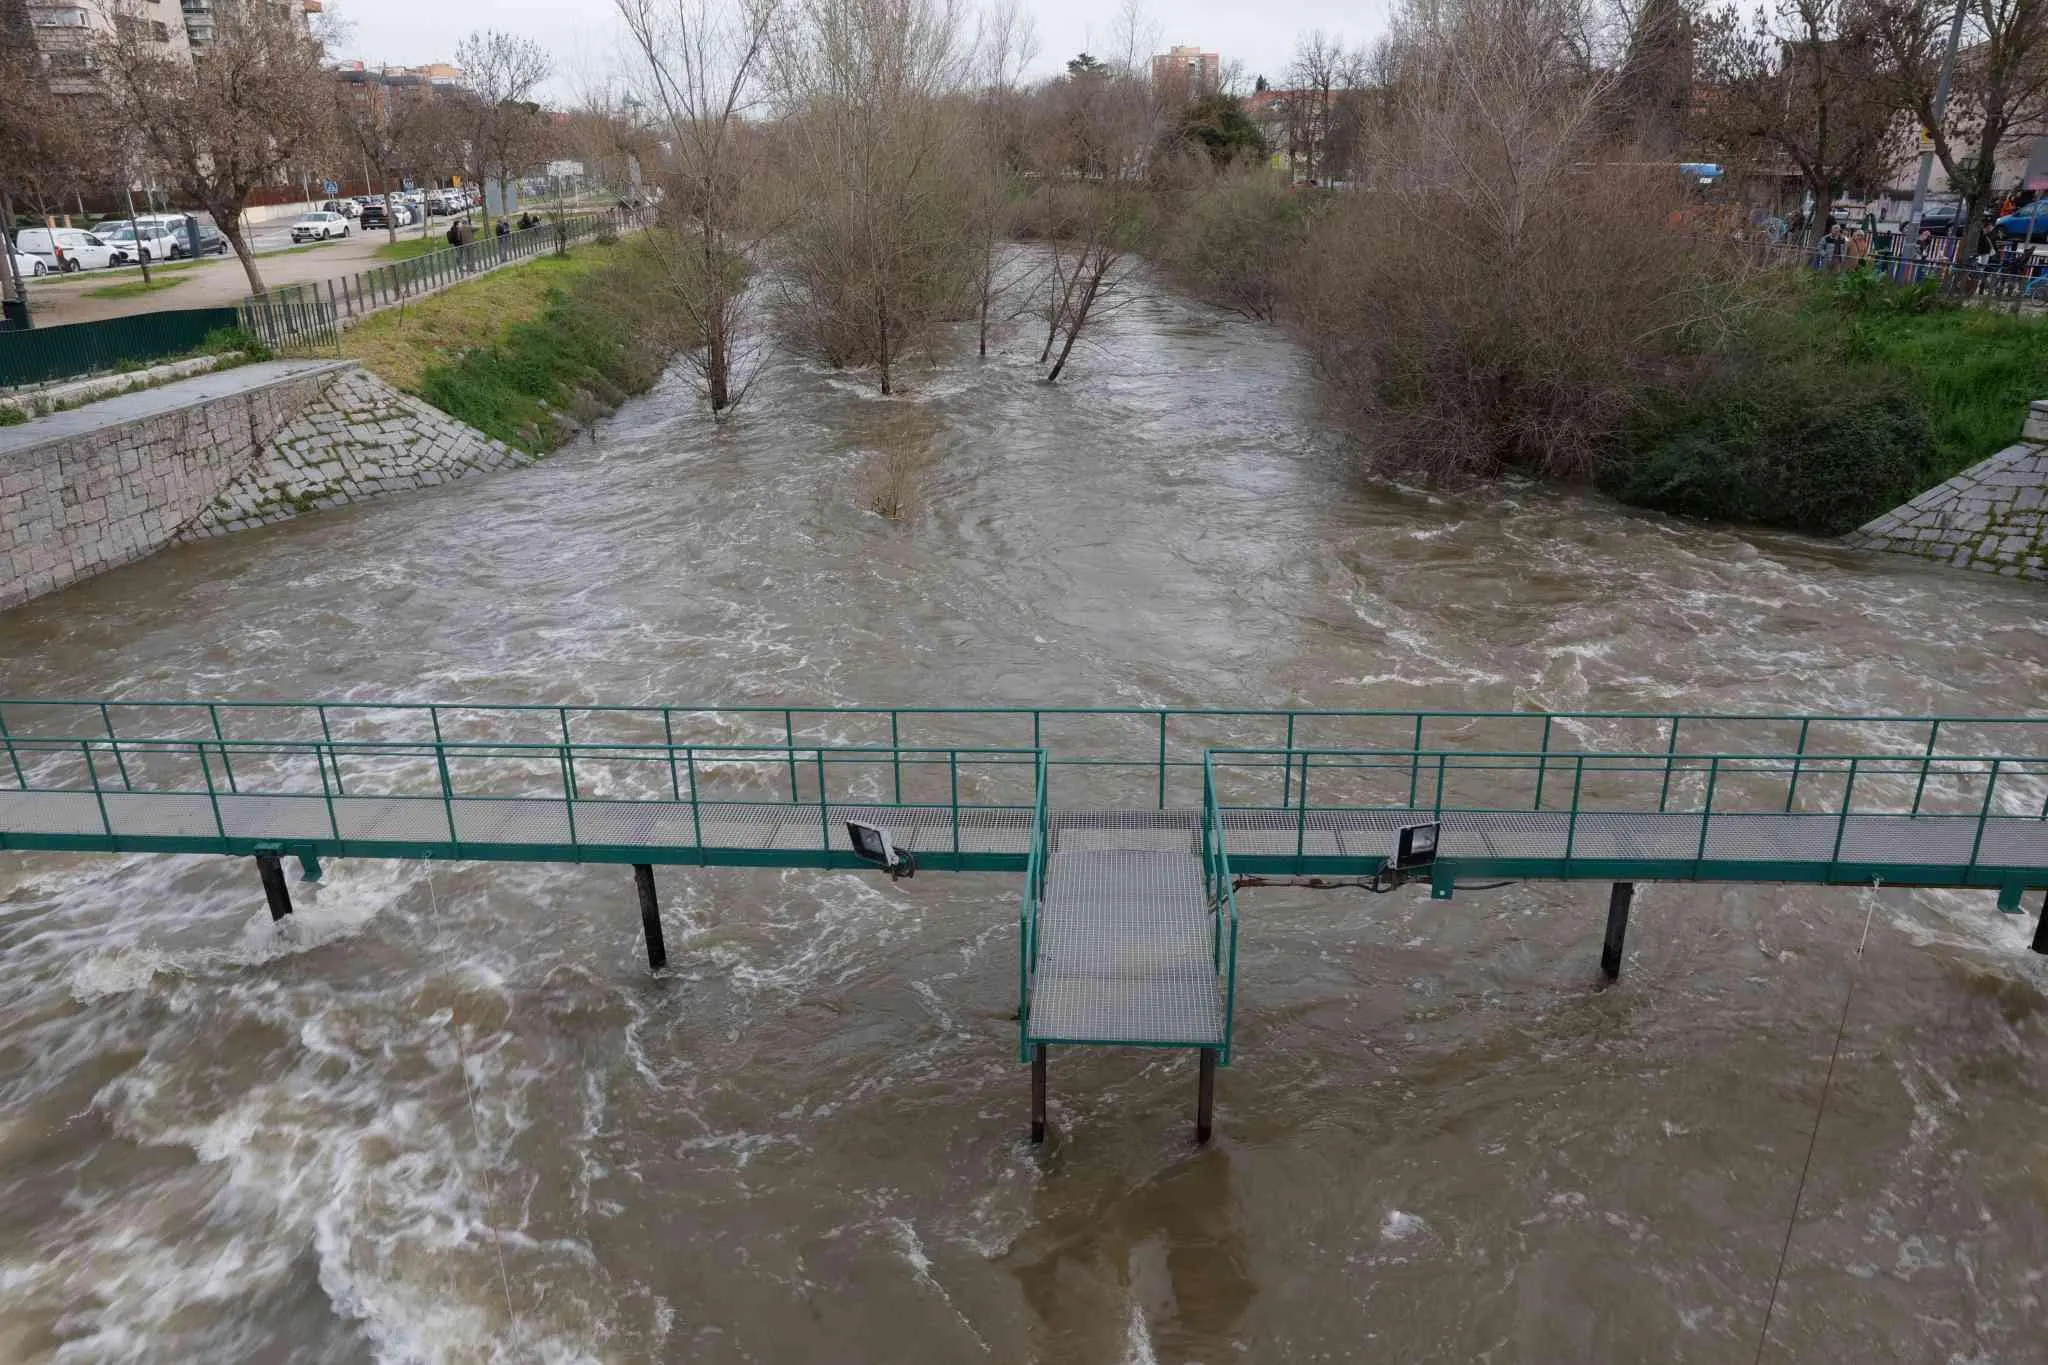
[(319, 227), (28, 267), (374, 216), (212, 241), (347, 208), (151, 241), (1943, 217), (2029, 224), (66, 249)]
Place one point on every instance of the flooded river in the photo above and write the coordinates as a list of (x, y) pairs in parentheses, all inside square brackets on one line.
[(454, 1119)]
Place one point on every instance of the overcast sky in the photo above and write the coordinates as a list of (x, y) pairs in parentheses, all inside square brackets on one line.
[(582, 34)]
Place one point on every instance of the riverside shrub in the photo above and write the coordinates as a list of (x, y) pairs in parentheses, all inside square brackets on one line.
[(1805, 445)]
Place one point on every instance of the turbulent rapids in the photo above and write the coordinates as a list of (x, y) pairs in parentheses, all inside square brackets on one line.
[(452, 1116)]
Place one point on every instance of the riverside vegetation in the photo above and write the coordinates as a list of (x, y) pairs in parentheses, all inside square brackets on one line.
[(1509, 280)]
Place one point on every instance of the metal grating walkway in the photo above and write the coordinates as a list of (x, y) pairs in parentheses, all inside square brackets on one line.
[(1126, 947)]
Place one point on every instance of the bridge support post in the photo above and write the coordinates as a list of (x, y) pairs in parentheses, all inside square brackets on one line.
[(1618, 902), (271, 869), (1205, 1095), (2041, 927), (1038, 1093), (650, 916)]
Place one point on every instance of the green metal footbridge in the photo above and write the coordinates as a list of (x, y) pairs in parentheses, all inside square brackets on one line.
[(1132, 828)]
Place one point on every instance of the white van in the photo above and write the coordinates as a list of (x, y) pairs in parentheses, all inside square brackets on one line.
[(66, 249)]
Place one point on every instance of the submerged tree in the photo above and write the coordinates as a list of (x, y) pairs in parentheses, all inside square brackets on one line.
[(878, 244), (704, 67)]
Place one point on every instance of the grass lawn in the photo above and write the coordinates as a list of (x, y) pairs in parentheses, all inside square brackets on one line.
[(406, 248), (402, 344), (93, 279), (1975, 369), (135, 288)]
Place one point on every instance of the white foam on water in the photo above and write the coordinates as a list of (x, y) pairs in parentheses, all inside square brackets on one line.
[(1138, 1338), (1399, 1227)]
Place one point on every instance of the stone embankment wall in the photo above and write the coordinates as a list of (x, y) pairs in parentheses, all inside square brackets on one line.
[(361, 438), (91, 489), (1992, 517)]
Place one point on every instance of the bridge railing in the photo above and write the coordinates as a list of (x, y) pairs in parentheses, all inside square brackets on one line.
[(1982, 791), (949, 801), (1030, 905), (1221, 890), (1097, 756)]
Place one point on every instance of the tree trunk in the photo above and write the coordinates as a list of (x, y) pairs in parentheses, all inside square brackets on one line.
[(10, 279), (882, 336), (230, 224), (390, 210), (1102, 264)]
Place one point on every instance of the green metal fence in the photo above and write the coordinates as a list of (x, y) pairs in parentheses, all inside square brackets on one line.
[(1919, 818), (1220, 886), (1106, 756), (1031, 903), (293, 323), (962, 808), (42, 355)]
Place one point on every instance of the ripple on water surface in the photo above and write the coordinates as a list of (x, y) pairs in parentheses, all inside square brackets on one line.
[(452, 1119)]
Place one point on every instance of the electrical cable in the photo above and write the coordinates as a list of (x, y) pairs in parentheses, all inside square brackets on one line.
[(1813, 1138)]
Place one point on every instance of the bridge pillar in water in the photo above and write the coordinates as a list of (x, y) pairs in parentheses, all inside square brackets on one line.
[(1038, 1093), (1618, 902), (270, 867), (2041, 927), (1205, 1095), (650, 916)]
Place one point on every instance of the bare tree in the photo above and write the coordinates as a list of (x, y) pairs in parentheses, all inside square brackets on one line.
[(705, 63), (1804, 80), (45, 143), (1999, 91), (1495, 135), (1005, 46), (502, 72), (231, 121), (1314, 78), (1097, 131), (878, 243)]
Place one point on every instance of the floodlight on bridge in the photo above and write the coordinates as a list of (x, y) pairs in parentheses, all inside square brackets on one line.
[(872, 844), (1415, 847)]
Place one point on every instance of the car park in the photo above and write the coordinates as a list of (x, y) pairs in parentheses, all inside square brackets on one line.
[(65, 250), (151, 240), (319, 227)]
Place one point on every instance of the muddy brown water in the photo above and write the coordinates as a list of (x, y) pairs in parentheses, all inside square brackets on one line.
[(452, 1118)]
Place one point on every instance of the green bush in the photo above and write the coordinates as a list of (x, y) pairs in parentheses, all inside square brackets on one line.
[(1805, 445)]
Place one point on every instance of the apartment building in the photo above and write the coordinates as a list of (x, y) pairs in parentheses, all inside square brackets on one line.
[(202, 17), (1188, 70), (66, 31)]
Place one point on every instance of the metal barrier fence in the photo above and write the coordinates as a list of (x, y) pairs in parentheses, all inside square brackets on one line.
[(343, 300), (41, 355), (2021, 280), (292, 324), (1106, 756)]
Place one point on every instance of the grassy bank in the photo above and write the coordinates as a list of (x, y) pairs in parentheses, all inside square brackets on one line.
[(529, 352), (1840, 400)]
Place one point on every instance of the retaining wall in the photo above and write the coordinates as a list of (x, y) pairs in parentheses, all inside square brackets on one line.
[(89, 490), (1992, 517)]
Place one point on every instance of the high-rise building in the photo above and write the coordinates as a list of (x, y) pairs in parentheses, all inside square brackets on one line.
[(1189, 70), (66, 31), (202, 17)]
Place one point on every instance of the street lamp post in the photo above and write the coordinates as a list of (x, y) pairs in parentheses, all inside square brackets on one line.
[(1948, 68)]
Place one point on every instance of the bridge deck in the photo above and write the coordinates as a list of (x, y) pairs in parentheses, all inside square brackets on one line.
[(498, 827), (1126, 943)]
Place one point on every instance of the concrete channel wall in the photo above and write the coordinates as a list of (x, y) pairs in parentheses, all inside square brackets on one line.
[(1992, 517), (89, 490)]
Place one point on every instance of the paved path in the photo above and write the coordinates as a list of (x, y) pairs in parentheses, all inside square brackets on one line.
[(135, 407), (218, 282)]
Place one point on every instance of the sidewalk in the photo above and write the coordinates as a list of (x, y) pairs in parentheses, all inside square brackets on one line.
[(218, 282)]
